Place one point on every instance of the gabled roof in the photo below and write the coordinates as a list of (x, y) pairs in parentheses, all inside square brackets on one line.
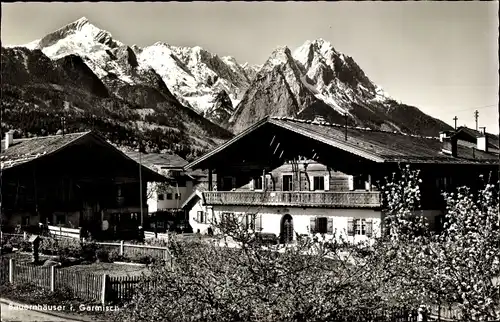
[(163, 160), (493, 140), (195, 196), (25, 150), (374, 145)]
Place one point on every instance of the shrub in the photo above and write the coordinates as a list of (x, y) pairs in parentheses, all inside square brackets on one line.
[(69, 247), (48, 246), (102, 255), (114, 256), (88, 252), (329, 280)]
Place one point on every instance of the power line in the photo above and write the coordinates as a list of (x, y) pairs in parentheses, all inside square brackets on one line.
[(477, 108)]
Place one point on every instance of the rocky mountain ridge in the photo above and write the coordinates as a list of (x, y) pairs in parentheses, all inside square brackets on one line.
[(312, 80), (317, 80)]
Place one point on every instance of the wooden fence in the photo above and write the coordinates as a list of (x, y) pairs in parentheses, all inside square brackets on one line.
[(83, 285), (133, 250), (57, 231)]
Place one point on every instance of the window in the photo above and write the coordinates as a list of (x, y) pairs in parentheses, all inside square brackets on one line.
[(287, 182), (257, 183), (177, 196), (200, 217), (226, 217), (321, 225), (443, 183), (360, 225), (60, 219), (169, 196), (161, 196), (249, 221), (359, 182), (319, 183)]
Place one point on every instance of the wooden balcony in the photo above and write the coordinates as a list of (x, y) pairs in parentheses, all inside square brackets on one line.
[(325, 199)]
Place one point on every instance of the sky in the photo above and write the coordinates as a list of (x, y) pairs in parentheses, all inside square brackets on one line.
[(441, 57)]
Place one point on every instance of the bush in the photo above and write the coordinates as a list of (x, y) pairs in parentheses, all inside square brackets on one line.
[(329, 280), (48, 246), (114, 256), (69, 247), (7, 249), (88, 252), (102, 256), (25, 246)]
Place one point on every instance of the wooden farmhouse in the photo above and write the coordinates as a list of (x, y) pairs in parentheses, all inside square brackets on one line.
[(76, 180), (309, 177)]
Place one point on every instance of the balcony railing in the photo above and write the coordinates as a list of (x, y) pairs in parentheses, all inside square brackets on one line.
[(335, 199)]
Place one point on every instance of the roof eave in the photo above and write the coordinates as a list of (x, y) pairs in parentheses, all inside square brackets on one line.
[(339, 144)]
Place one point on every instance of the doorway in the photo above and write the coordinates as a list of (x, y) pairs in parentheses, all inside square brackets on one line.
[(286, 229)]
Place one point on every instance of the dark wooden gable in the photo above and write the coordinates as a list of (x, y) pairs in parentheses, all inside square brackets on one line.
[(269, 146), (88, 157)]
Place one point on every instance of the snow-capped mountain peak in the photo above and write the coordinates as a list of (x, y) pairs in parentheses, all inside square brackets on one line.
[(279, 56), (79, 36)]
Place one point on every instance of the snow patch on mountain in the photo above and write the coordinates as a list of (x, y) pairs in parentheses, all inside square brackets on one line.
[(195, 75)]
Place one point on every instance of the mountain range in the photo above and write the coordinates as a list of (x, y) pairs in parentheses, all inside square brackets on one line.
[(185, 99)]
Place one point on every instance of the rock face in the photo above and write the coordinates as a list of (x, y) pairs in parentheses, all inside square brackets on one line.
[(318, 80), (166, 89), (221, 109)]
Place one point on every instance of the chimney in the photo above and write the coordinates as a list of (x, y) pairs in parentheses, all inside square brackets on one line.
[(482, 140), (444, 134), (319, 118), (9, 139), (448, 143)]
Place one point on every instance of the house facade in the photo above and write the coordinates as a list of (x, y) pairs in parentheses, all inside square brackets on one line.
[(76, 180), (302, 177), (164, 199)]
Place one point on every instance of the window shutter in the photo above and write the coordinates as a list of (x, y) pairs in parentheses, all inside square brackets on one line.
[(258, 222), (329, 227), (252, 184), (312, 225), (311, 183), (350, 227), (327, 182), (369, 228), (351, 182)]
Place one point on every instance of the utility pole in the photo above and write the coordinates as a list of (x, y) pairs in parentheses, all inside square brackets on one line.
[(63, 124), (140, 185), (455, 119), (476, 116), (345, 116)]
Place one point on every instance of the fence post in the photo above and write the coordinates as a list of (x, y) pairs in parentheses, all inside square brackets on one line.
[(52, 278), (11, 270), (60, 231), (103, 291), (25, 236), (121, 247)]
